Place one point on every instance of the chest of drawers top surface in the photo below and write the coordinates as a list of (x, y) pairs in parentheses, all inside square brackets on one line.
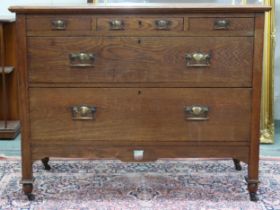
[(140, 7)]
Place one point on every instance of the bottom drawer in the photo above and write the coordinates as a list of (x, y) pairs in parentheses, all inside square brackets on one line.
[(140, 114)]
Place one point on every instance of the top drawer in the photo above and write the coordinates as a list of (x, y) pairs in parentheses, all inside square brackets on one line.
[(140, 24), (125, 25), (59, 23), (221, 25)]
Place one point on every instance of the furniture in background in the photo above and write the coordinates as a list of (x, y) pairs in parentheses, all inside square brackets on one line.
[(9, 123), (267, 108), (138, 83)]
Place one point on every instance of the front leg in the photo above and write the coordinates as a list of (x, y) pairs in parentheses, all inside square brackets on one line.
[(27, 189), (253, 188)]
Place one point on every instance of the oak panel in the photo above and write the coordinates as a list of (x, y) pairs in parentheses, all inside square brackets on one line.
[(151, 153), (43, 23), (201, 24), (132, 23), (146, 59), (134, 114)]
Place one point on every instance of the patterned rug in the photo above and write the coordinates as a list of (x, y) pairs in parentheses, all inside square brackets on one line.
[(113, 185)]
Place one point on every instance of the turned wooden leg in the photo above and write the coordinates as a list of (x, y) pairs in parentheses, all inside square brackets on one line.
[(27, 189), (237, 164), (253, 188), (45, 162)]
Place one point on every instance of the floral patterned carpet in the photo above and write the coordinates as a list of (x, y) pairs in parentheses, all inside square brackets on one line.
[(113, 185)]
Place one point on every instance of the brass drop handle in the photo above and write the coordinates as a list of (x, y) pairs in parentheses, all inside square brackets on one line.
[(82, 59), (221, 24), (59, 24), (83, 112), (198, 59), (163, 24), (116, 24), (196, 113)]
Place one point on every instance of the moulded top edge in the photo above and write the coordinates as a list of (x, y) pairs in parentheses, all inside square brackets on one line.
[(140, 8)]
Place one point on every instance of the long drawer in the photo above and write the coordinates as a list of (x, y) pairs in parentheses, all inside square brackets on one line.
[(140, 114), (195, 61)]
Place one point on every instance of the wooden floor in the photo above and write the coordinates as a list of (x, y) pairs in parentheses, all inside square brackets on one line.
[(12, 147)]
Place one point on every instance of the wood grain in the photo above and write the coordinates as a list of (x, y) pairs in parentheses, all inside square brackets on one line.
[(137, 25), (26, 151), (131, 114), (132, 23), (200, 25), (253, 167), (157, 8), (43, 23), (153, 60), (151, 153)]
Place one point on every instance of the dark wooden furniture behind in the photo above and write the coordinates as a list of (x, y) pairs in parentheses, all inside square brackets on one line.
[(140, 83), (9, 117)]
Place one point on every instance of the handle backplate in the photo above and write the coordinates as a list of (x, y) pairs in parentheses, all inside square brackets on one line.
[(116, 24), (163, 24), (196, 113), (83, 112), (221, 24), (198, 59), (59, 25), (82, 59)]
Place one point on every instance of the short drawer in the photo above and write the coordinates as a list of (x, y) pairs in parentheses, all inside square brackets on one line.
[(130, 24), (194, 61), (232, 25), (140, 114), (60, 23)]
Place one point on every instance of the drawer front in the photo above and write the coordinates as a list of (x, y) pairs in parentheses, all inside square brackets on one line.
[(221, 24), (130, 24), (146, 114), (201, 61), (60, 23)]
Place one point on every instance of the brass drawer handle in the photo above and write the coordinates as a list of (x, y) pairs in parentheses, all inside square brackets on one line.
[(221, 24), (83, 112), (59, 24), (82, 59), (163, 24), (198, 59), (196, 113), (117, 24)]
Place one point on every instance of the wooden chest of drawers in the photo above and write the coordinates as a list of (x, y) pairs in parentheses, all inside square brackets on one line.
[(140, 83)]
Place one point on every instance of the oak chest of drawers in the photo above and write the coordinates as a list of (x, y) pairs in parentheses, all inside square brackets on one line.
[(140, 83)]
